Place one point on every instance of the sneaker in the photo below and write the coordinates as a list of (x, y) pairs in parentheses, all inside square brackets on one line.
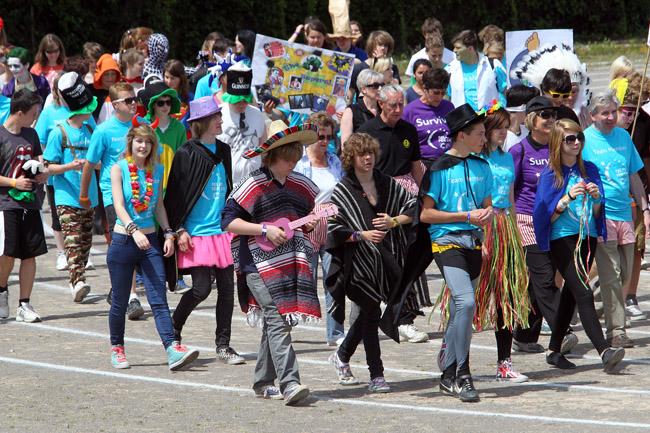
[(519, 346), (227, 355), (465, 389), (343, 370), (411, 334), (178, 356), (621, 340), (295, 393), (181, 287), (568, 342), (90, 265), (506, 372), (61, 261), (4, 304), (558, 360), (134, 311), (611, 357), (378, 385), (546, 329), (79, 291), (269, 392), (26, 313), (633, 312), (118, 357), (645, 265), (448, 385)]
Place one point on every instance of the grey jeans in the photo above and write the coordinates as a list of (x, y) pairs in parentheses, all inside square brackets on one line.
[(276, 357)]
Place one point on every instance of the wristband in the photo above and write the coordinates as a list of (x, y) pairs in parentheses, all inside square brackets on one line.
[(180, 231), (569, 195), (13, 183), (84, 199), (395, 222), (131, 228), (356, 236), (169, 233), (468, 215), (264, 231)]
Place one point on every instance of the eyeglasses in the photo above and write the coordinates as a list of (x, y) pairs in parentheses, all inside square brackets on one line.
[(436, 92), (548, 114), (571, 139), (375, 85), (325, 137), (128, 101), (628, 112), (556, 95), (163, 102)]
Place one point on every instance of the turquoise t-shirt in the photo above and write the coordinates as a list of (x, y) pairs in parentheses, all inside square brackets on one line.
[(106, 146), (503, 175), (452, 191), (568, 223), (470, 81), (5, 105), (203, 87), (616, 158), (68, 185), (145, 219), (205, 217)]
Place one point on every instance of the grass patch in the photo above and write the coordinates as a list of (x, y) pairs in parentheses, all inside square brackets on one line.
[(607, 51)]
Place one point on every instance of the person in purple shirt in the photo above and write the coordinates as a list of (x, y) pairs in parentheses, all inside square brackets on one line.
[(531, 157), (428, 113)]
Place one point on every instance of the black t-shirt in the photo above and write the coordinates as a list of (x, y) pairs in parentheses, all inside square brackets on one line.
[(15, 150), (399, 145)]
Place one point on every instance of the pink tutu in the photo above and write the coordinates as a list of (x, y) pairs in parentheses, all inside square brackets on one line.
[(208, 251)]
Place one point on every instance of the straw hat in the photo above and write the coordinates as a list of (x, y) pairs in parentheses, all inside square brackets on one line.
[(280, 134)]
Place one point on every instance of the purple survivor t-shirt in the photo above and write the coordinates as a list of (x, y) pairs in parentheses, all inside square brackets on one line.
[(433, 133), (530, 159)]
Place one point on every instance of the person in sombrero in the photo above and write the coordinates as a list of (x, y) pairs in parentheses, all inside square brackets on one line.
[(281, 290)]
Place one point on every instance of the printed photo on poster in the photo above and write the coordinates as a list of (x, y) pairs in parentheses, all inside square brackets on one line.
[(339, 86), (300, 102), (295, 83)]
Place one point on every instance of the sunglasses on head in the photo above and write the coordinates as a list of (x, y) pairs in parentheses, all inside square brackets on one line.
[(163, 102), (436, 92), (375, 85), (548, 114), (559, 94), (629, 112), (128, 101), (571, 139), (325, 137)]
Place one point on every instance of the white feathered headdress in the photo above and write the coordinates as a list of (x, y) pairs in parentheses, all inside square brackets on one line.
[(532, 68)]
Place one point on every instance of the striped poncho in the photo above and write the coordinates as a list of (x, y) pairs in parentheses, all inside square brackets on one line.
[(286, 270)]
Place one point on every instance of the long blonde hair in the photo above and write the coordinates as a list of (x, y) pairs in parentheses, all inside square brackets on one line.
[(146, 132), (556, 138)]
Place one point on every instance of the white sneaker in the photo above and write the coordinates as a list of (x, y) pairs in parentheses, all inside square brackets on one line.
[(633, 312), (26, 313), (411, 334), (61, 261), (79, 291), (90, 265), (506, 372), (645, 265), (4, 305)]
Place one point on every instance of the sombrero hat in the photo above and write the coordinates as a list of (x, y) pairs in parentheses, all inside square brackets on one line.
[(280, 134)]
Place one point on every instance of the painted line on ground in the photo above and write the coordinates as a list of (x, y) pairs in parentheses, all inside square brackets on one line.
[(345, 402)]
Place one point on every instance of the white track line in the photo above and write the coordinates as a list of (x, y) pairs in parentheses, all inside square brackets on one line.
[(345, 402)]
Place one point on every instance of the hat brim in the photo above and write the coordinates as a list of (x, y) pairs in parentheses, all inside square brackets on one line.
[(176, 102), (88, 109), (468, 122), (340, 35), (233, 99), (204, 115), (305, 134)]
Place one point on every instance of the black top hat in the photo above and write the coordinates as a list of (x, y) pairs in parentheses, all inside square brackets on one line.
[(539, 103), (462, 116)]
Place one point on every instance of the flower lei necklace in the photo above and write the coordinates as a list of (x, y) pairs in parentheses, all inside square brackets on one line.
[(140, 206)]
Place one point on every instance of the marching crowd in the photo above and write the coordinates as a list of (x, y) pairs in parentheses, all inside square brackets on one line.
[(531, 197)]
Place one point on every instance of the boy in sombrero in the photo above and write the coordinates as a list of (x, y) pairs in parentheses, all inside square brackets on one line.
[(282, 290)]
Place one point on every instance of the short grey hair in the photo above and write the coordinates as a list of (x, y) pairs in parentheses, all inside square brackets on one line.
[(368, 76), (603, 99), (390, 89)]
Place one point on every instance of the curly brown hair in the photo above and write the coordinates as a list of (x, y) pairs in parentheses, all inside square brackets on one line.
[(358, 144)]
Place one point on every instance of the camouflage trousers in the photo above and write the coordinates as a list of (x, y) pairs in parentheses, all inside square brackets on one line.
[(77, 229)]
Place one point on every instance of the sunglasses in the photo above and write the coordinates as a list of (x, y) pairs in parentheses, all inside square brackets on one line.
[(556, 95), (571, 139), (56, 50), (548, 114), (163, 102), (128, 101), (375, 85), (436, 92), (325, 137)]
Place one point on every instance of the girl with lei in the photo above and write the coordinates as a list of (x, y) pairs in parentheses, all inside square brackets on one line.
[(136, 183), (502, 293), (568, 216)]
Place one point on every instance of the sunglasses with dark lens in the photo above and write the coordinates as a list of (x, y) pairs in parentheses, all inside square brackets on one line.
[(128, 101), (375, 85), (559, 94), (163, 102), (548, 114), (571, 139), (325, 137), (436, 92)]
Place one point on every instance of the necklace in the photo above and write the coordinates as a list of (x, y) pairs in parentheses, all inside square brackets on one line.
[(139, 206)]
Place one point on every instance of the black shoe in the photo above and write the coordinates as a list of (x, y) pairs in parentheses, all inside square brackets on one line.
[(611, 357), (465, 389), (134, 311), (448, 385), (559, 361)]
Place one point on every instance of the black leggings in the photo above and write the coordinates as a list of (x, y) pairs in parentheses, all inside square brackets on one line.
[(201, 288), (575, 292), (365, 328), (504, 338)]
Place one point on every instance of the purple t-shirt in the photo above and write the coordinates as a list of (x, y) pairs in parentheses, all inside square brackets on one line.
[(530, 160), (433, 133)]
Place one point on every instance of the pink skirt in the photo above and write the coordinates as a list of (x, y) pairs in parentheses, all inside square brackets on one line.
[(208, 251)]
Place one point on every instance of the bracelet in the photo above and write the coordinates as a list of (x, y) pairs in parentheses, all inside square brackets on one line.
[(468, 215), (264, 231), (356, 236), (395, 222), (131, 228), (569, 195), (84, 199), (169, 233), (13, 183), (180, 231), (562, 204)]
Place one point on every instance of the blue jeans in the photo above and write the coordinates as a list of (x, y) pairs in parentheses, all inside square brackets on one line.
[(122, 258), (334, 329)]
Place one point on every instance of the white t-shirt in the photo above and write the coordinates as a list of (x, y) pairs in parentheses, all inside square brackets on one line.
[(242, 140), (447, 57), (325, 180), (512, 138)]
